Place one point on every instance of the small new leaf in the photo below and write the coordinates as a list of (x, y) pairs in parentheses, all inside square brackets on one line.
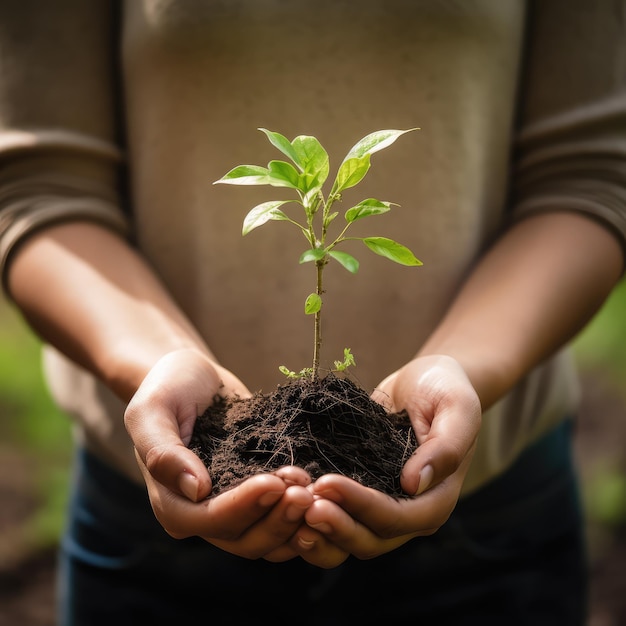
[(392, 250), (348, 361), (286, 371), (313, 254), (330, 218), (312, 304), (307, 371)]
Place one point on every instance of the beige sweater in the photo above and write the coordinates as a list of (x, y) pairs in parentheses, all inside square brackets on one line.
[(127, 114)]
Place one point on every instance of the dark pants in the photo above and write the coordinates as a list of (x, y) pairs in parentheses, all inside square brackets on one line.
[(511, 554)]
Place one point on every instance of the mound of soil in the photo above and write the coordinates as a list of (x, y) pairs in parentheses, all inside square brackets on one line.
[(326, 425)]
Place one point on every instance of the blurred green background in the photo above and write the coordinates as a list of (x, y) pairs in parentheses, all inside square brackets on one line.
[(35, 444), (35, 438)]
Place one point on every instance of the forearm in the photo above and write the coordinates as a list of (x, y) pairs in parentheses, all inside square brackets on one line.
[(86, 291), (530, 294)]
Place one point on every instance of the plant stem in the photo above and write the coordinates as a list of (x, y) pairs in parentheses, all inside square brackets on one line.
[(317, 344)]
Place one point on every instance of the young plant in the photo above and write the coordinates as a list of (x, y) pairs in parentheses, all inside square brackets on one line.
[(306, 174)]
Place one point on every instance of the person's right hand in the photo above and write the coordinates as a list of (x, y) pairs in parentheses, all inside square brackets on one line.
[(255, 519), (348, 518)]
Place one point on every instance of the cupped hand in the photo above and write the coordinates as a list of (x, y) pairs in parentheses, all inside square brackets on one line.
[(348, 518), (255, 519)]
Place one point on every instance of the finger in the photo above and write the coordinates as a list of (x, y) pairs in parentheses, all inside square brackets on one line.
[(230, 384), (317, 549), (373, 508), (163, 411), (431, 463), (226, 516), (386, 516), (161, 452), (312, 547), (293, 475), (346, 534), (447, 431), (281, 554), (274, 531), (383, 393), (156, 434)]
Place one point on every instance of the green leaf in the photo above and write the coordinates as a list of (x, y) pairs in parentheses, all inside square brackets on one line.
[(316, 254), (392, 250), (308, 200), (351, 172), (314, 161), (368, 207), (246, 175), (263, 213), (284, 145), (283, 174), (348, 357), (331, 217), (347, 260), (304, 372), (375, 141), (287, 372), (312, 304), (348, 361), (310, 153), (312, 183)]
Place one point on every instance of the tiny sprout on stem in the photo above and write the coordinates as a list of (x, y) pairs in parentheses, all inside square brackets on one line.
[(307, 371), (306, 174), (348, 361)]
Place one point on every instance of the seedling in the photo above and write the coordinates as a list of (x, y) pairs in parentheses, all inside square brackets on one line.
[(306, 174)]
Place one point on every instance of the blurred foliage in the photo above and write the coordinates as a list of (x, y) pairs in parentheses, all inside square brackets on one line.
[(30, 421), (603, 343), (605, 496), (602, 347), (37, 421)]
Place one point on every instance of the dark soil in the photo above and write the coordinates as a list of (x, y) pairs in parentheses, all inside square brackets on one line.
[(326, 425)]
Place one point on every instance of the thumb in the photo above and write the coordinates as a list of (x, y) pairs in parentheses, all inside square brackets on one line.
[(434, 461), (383, 392), (176, 468), (162, 455)]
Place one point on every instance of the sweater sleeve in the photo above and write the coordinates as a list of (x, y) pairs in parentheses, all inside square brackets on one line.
[(571, 144), (60, 157)]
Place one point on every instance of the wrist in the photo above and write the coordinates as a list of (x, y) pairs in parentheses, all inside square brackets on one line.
[(491, 381), (125, 367)]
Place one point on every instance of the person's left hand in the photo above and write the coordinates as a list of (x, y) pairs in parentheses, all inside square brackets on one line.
[(255, 519), (347, 518)]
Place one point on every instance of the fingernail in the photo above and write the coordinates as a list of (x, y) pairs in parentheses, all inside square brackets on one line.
[(329, 494), (322, 527), (426, 477), (305, 544), (188, 484)]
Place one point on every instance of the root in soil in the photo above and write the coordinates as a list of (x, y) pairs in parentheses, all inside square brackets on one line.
[(326, 425)]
